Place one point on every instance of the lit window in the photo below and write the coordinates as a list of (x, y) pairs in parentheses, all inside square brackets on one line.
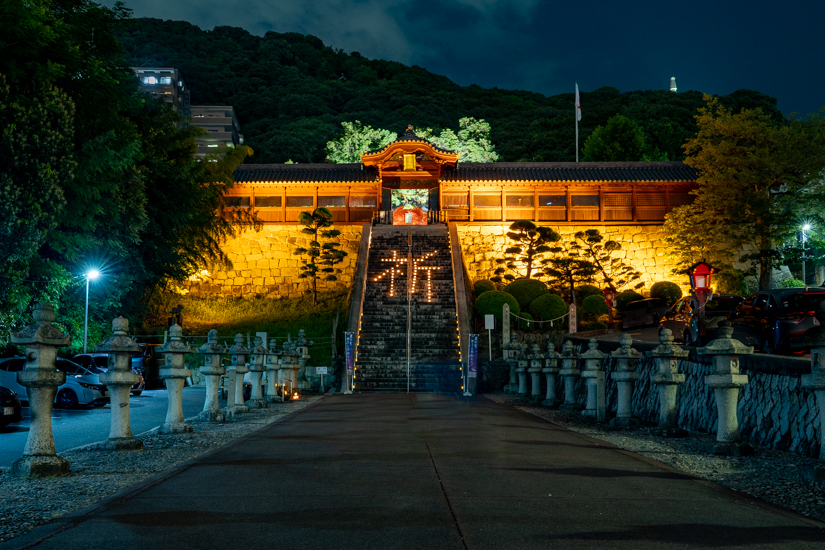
[(268, 202), (332, 202), (585, 200), (299, 202), (520, 200), (150, 80), (166, 80), (238, 201), (212, 145)]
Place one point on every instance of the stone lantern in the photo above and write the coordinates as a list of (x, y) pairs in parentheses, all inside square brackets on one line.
[(550, 370), (667, 378), (212, 370), (511, 349), (521, 370), (234, 379), (816, 382), (302, 346), (625, 376), (257, 368), (273, 369), (285, 374), (175, 373), (594, 377), (536, 364), (294, 367), (119, 380), (726, 382), (41, 378), (570, 372)]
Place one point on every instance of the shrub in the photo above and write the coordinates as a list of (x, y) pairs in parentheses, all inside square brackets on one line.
[(483, 285), (492, 301), (731, 282), (592, 325), (525, 291), (525, 325), (584, 291), (594, 305), (546, 307), (790, 282), (667, 291), (624, 298)]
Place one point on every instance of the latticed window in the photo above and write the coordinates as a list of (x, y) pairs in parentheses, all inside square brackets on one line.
[(585, 200), (480, 201), (237, 201), (332, 202), (299, 202), (362, 201), (552, 200), (680, 199), (266, 202), (525, 201), (455, 201), (650, 199), (618, 200)]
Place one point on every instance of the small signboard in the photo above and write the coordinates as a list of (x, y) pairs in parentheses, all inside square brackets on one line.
[(472, 361), (489, 322), (349, 350), (320, 370)]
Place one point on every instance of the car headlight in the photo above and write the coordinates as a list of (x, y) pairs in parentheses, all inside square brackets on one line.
[(100, 388)]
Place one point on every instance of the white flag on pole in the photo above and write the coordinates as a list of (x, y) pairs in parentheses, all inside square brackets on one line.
[(578, 105)]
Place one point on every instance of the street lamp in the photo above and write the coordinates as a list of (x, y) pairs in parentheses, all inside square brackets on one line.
[(805, 229), (91, 275)]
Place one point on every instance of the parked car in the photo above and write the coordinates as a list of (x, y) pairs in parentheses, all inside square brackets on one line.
[(643, 312), (10, 410), (99, 362), (683, 317), (776, 321), (82, 386)]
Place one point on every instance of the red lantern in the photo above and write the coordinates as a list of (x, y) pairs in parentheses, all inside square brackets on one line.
[(700, 276)]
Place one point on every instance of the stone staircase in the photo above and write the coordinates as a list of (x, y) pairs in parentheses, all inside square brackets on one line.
[(381, 348)]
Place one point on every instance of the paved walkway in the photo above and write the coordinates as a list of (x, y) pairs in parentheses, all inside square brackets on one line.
[(425, 471)]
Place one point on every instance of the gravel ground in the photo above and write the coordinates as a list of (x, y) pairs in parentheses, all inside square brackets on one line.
[(774, 476), (96, 475)]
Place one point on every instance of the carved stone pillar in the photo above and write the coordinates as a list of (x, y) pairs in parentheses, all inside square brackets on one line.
[(625, 376), (594, 377), (257, 357), (212, 370), (273, 368), (234, 379), (570, 372), (667, 378), (551, 370), (175, 373)]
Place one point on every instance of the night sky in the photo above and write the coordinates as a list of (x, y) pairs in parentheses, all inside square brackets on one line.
[(714, 47)]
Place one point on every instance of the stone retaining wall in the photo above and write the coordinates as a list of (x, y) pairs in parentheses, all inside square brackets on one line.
[(264, 264), (642, 248), (774, 410)]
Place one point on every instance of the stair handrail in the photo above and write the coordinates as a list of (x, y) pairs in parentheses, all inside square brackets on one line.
[(463, 309), (363, 294)]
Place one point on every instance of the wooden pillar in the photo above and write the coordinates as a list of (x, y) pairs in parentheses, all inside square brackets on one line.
[(569, 206), (601, 204), (535, 204), (633, 194), (346, 214), (315, 199), (470, 205), (503, 204), (667, 200), (283, 204)]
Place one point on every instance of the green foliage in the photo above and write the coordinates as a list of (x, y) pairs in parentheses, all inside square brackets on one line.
[(594, 305), (757, 176), (289, 96), (620, 140), (522, 324), (593, 325), (624, 298), (472, 142), (532, 243), (548, 307), (731, 281), (483, 285), (525, 291), (569, 267), (584, 291), (319, 259), (790, 282), (357, 139), (667, 291), (491, 302), (590, 244)]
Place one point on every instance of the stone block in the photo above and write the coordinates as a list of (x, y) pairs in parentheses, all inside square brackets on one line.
[(269, 281), (238, 281)]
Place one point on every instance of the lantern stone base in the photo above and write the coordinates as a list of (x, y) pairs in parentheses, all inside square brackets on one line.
[(171, 428), (274, 399), (118, 444), (39, 466), (256, 403), (215, 417), (732, 448), (624, 422), (240, 409), (550, 403)]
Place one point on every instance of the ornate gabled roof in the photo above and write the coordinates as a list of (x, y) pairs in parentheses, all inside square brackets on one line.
[(276, 173), (410, 136), (572, 171)]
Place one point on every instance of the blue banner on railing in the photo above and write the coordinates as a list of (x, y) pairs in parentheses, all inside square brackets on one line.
[(349, 350), (472, 360)]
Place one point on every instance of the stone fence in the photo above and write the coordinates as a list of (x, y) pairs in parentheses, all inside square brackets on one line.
[(774, 409)]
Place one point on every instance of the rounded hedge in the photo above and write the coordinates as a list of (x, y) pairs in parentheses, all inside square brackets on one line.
[(584, 291), (525, 291), (483, 285), (667, 291), (491, 302), (624, 298), (594, 305), (547, 307)]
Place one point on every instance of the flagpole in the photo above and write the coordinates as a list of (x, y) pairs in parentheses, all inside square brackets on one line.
[(577, 121)]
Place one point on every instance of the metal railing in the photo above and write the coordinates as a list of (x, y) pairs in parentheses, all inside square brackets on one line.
[(385, 217)]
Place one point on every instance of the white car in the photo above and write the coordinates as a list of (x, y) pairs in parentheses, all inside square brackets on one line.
[(82, 386)]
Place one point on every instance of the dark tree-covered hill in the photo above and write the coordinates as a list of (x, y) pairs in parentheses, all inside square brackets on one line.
[(291, 92)]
